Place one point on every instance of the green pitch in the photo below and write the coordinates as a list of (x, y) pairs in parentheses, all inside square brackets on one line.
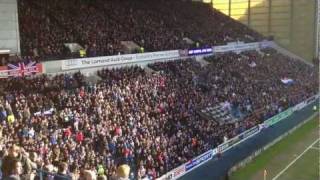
[(296, 157)]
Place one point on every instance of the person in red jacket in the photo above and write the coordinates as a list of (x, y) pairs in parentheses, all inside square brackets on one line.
[(79, 137), (67, 132)]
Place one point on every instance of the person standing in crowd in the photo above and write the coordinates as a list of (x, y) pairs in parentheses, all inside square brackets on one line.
[(15, 170), (62, 172), (15, 154)]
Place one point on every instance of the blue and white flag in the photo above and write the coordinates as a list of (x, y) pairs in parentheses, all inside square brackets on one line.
[(287, 81)]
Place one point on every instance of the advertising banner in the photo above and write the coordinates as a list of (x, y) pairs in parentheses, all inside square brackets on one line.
[(262, 126), (174, 174), (181, 170), (202, 51), (117, 59), (311, 99), (305, 103), (221, 49), (249, 132), (223, 147), (190, 165), (300, 106), (238, 139), (233, 141), (275, 119), (236, 47), (199, 160), (183, 52), (265, 44)]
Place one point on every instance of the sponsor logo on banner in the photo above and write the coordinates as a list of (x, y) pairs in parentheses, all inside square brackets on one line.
[(214, 151), (311, 99), (299, 106), (181, 170), (202, 51), (183, 53), (174, 174), (223, 147), (199, 160), (235, 47), (249, 132), (237, 139), (233, 141), (277, 118), (245, 47), (178, 171), (225, 48), (117, 59), (70, 62), (262, 126)]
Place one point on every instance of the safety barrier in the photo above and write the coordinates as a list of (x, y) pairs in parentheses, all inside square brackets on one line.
[(93, 63), (233, 142), (259, 151)]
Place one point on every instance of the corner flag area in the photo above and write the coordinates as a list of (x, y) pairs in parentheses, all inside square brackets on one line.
[(296, 157)]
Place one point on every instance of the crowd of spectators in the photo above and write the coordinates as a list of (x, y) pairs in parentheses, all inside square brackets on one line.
[(251, 81), (147, 120), (99, 26), (17, 59)]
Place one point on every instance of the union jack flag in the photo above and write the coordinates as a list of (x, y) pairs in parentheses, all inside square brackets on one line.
[(22, 69)]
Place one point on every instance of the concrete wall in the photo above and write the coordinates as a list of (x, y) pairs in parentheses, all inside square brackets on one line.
[(291, 22), (318, 29), (9, 28)]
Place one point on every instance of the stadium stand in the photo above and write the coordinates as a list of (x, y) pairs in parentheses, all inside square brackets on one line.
[(135, 123), (101, 26), (149, 121)]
